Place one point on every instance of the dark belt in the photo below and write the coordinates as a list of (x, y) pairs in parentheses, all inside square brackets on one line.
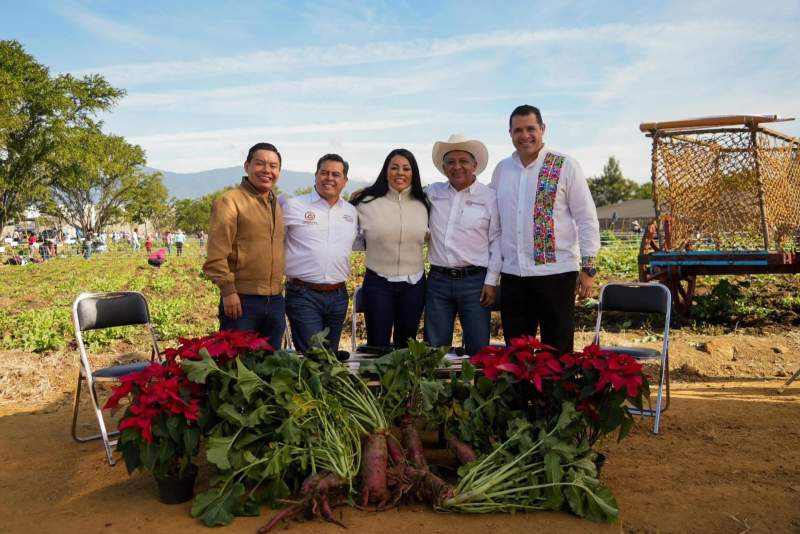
[(325, 288), (458, 272)]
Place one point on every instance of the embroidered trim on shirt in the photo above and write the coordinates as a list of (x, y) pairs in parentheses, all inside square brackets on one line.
[(587, 262), (544, 235)]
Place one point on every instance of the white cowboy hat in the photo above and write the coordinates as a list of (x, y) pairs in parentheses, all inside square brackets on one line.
[(459, 142)]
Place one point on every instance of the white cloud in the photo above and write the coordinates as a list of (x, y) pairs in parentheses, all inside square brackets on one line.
[(343, 54), (106, 28)]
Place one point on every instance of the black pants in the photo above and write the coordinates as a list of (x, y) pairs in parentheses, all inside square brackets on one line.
[(392, 306), (530, 302)]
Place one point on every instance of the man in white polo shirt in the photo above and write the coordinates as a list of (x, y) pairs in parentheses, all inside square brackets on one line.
[(550, 235), (320, 230), (464, 248)]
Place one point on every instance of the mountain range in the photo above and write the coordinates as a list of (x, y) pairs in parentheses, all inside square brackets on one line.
[(198, 184)]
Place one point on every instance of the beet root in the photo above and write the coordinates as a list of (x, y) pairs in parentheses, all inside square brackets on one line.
[(419, 483), (463, 452), (412, 443), (375, 457), (315, 502), (396, 454)]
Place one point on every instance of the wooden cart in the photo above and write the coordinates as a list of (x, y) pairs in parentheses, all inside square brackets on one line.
[(726, 192)]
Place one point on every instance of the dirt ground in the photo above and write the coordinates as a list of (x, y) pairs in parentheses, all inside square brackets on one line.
[(727, 459)]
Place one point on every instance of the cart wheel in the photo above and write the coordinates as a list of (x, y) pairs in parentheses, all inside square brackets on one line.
[(682, 289)]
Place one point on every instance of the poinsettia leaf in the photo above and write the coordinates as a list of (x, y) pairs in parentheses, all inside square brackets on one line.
[(173, 424), (191, 439), (248, 381)]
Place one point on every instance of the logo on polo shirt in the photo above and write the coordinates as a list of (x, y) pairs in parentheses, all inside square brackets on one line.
[(310, 216), (348, 218)]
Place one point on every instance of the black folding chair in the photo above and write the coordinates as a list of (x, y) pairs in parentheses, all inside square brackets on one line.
[(95, 311), (641, 298)]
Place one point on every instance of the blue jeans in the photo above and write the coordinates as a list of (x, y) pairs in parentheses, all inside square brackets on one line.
[(392, 306), (260, 313), (312, 311), (444, 298)]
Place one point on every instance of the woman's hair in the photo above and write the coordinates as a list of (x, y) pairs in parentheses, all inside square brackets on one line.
[(381, 185)]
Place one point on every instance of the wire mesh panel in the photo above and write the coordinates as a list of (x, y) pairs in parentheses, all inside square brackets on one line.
[(727, 188)]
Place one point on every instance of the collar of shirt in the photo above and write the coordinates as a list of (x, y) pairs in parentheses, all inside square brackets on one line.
[(314, 197), (539, 158)]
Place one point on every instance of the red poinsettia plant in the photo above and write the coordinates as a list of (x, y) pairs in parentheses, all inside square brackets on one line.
[(598, 382), (163, 421)]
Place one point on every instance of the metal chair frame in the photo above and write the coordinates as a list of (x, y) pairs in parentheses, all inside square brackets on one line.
[(358, 307), (627, 297), (82, 308)]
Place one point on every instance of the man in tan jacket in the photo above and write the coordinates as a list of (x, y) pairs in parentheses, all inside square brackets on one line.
[(245, 249)]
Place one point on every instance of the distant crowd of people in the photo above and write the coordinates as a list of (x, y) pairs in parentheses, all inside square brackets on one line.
[(23, 246)]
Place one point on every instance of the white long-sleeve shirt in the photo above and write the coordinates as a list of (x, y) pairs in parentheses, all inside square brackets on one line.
[(319, 238), (547, 216), (465, 228)]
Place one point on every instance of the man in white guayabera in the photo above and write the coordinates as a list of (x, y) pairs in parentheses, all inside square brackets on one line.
[(550, 235)]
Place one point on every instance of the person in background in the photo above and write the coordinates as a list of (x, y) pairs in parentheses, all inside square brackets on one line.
[(148, 244), (245, 249), (167, 240), (135, 240), (393, 222), (550, 235), (179, 238), (320, 230), (464, 248)]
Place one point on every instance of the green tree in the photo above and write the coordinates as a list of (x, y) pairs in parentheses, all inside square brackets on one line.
[(96, 179), (36, 113), (644, 190), (192, 215), (612, 187), (150, 204)]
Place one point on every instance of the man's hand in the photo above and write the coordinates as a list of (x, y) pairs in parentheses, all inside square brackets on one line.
[(585, 286), (488, 294), (232, 306)]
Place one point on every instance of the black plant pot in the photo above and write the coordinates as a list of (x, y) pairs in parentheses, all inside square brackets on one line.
[(177, 489), (599, 462)]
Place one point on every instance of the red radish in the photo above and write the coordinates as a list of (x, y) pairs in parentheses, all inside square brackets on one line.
[(463, 452), (374, 489), (315, 491), (412, 442), (396, 454)]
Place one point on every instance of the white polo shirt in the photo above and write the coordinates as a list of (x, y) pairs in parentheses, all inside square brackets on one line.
[(319, 238), (548, 218), (465, 228)]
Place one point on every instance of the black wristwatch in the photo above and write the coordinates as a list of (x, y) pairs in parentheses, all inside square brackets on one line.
[(591, 271)]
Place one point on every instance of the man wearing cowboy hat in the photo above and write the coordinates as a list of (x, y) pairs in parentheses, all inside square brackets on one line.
[(550, 235), (464, 248)]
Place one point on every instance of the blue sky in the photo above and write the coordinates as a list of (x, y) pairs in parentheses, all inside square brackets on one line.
[(205, 80)]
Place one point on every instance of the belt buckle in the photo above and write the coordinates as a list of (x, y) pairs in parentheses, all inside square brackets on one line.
[(455, 273)]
